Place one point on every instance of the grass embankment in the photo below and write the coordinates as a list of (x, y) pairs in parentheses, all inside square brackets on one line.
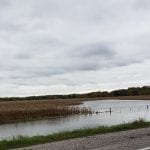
[(15, 111), (28, 141)]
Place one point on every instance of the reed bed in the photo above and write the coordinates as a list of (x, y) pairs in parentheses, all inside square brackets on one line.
[(31, 110)]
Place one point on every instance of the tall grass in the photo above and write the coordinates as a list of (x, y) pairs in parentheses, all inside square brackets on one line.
[(26, 110)]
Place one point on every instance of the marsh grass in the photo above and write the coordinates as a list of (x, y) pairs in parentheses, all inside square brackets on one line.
[(32, 110), (28, 141), (26, 110)]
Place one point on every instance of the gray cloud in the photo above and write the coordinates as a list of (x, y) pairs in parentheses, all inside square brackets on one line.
[(94, 49), (73, 45), (22, 56)]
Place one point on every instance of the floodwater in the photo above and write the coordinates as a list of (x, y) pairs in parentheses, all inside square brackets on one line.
[(107, 112)]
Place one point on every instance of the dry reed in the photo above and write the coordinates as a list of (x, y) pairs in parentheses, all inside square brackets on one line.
[(30, 110)]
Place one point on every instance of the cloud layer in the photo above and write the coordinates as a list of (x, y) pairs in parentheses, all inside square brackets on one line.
[(55, 46)]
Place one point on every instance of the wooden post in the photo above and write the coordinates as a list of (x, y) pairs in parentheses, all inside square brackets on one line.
[(110, 110)]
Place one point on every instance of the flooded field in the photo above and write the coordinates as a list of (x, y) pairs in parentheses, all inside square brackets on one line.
[(105, 112)]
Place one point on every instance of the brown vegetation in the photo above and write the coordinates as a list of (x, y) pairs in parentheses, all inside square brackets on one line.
[(13, 111), (29, 110)]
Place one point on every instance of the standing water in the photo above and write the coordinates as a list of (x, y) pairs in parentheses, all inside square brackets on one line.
[(106, 112)]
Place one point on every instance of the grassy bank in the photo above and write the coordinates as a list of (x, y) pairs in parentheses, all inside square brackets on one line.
[(27, 141)]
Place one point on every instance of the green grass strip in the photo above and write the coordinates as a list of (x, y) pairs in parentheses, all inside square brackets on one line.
[(28, 141)]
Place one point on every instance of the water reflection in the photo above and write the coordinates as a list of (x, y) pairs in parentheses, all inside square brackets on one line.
[(107, 112)]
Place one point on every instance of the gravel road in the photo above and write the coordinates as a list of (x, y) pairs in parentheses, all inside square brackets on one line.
[(125, 140)]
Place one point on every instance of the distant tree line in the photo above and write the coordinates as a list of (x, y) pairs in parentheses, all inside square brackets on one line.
[(133, 91)]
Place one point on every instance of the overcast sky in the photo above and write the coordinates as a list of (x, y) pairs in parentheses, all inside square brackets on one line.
[(73, 46)]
